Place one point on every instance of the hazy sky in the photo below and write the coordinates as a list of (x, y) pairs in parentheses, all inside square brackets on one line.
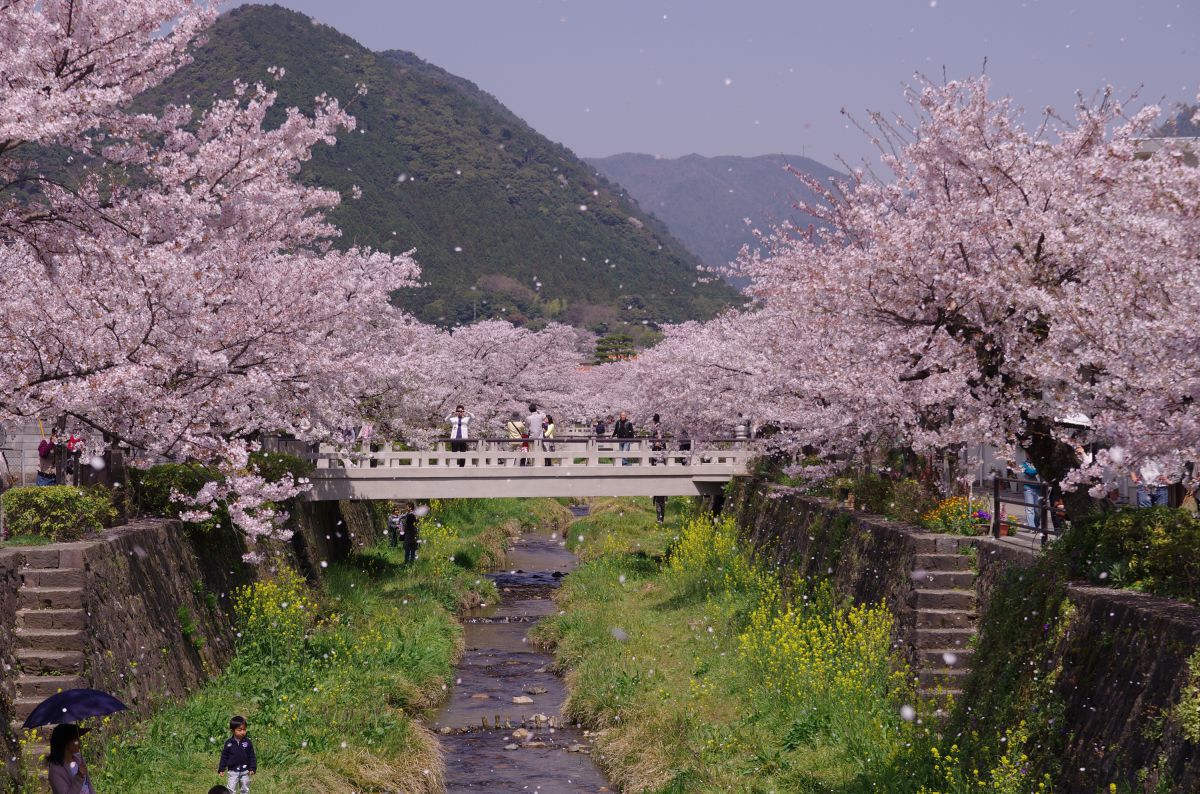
[(671, 77)]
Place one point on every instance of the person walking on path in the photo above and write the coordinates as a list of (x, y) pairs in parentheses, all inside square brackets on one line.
[(534, 425), (410, 534), (1033, 496), (395, 525), (660, 508), (623, 430), (460, 431), (65, 768), (238, 762), (601, 429)]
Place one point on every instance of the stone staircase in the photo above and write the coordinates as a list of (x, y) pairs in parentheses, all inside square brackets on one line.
[(51, 629), (943, 599)]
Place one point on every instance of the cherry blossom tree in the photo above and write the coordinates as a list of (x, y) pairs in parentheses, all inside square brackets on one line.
[(494, 367), (996, 281), (164, 278)]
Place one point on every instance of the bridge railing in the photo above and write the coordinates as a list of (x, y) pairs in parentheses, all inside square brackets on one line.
[(569, 451)]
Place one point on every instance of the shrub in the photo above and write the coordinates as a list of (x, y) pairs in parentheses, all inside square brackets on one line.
[(273, 465), (958, 515), (705, 558), (1148, 549), (275, 617), (59, 512), (155, 485), (901, 500), (830, 670)]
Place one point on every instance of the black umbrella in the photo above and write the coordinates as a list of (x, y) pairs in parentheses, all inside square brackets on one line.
[(72, 705)]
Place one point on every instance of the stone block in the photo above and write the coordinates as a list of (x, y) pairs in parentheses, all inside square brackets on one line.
[(943, 638), (43, 686), (41, 558), (941, 562), (51, 598), (945, 580), (52, 577), (941, 657), (52, 618), (50, 662), (943, 599), (945, 619), (52, 639)]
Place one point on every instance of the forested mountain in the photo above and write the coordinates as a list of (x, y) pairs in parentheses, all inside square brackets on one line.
[(705, 200), (504, 222), (1179, 124)]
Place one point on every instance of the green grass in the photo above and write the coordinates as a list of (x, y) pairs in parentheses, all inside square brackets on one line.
[(698, 676), (332, 682), (626, 525), (25, 540)]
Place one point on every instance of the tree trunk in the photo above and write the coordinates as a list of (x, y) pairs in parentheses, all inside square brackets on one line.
[(1054, 460)]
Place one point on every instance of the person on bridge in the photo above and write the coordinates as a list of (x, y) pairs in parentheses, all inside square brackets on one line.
[(657, 445), (515, 430), (548, 430), (460, 431), (623, 429), (409, 533), (534, 425)]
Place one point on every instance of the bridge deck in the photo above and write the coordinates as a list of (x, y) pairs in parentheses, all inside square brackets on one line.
[(500, 467)]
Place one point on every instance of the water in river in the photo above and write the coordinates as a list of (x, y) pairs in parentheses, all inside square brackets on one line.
[(490, 742)]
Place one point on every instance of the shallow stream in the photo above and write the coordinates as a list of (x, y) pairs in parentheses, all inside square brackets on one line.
[(502, 728)]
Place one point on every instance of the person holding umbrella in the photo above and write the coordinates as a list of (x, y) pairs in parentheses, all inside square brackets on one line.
[(64, 764)]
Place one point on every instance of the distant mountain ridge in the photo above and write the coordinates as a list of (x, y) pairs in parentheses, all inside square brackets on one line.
[(505, 222), (704, 201)]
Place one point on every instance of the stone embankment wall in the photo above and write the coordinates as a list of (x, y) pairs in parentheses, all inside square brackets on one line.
[(1124, 662), (925, 579), (1123, 656), (143, 610), (10, 565)]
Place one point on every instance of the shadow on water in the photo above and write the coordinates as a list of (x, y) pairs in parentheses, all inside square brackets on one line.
[(502, 728)]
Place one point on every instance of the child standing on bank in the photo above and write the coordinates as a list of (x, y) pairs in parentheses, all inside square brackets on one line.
[(238, 762)]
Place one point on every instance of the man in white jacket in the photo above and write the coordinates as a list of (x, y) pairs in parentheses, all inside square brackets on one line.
[(460, 431)]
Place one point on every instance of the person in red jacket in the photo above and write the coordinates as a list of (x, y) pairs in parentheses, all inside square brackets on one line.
[(46, 466)]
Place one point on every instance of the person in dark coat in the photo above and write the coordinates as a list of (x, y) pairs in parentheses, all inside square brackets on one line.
[(238, 761), (623, 429), (409, 534)]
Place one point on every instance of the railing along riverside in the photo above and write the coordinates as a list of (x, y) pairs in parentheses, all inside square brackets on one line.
[(572, 451), (1039, 492)]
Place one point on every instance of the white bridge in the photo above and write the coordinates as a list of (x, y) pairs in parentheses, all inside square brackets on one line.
[(495, 467)]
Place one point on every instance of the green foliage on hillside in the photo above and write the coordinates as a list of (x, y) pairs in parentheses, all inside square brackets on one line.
[(505, 223)]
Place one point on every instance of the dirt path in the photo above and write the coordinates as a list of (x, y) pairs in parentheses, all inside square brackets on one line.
[(490, 742)]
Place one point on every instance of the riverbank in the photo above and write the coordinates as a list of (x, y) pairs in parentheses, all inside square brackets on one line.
[(333, 681), (696, 672)]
